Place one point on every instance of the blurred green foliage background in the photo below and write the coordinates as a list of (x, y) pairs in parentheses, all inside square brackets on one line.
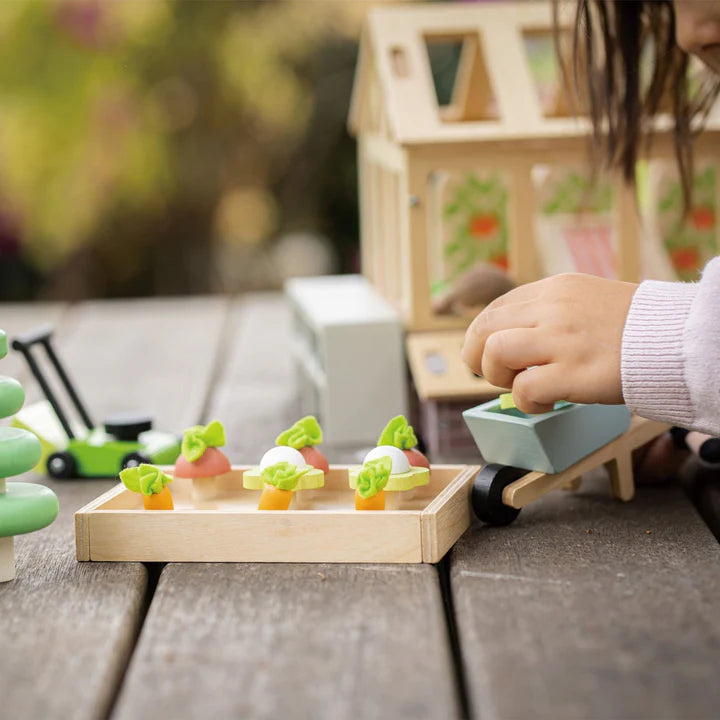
[(174, 146)]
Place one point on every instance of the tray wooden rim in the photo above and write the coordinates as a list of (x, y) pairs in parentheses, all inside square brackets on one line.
[(410, 535)]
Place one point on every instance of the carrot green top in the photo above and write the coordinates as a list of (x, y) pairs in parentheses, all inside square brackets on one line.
[(283, 475), (373, 477), (506, 401), (197, 439), (399, 434), (304, 433), (145, 479)]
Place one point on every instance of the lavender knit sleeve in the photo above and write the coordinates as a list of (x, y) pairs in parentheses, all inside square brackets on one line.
[(671, 352)]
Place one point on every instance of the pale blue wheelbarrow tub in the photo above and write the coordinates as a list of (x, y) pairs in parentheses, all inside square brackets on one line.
[(548, 443)]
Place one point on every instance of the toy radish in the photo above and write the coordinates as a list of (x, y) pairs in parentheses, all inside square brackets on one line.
[(201, 460), (401, 435), (281, 480), (370, 484), (152, 483), (303, 436)]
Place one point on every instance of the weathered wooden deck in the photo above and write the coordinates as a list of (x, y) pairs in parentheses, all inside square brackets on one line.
[(584, 608)]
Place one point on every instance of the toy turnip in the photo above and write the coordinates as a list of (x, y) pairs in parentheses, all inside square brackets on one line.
[(401, 435)]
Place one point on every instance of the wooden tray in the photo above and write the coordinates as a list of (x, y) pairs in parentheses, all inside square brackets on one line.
[(116, 527)]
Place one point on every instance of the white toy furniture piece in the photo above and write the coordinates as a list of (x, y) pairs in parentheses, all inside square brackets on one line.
[(349, 356)]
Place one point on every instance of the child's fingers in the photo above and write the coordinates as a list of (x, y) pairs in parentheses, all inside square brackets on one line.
[(504, 317), (492, 320), (508, 352), (537, 389)]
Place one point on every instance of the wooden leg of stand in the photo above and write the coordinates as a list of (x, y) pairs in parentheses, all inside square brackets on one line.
[(621, 476)]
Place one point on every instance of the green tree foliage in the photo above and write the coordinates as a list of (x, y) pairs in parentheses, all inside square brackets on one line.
[(136, 136), (19, 450)]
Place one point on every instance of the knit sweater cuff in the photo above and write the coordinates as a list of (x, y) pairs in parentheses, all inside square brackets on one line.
[(653, 358)]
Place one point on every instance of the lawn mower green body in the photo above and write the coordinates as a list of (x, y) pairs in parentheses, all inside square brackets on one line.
[(76, 447)]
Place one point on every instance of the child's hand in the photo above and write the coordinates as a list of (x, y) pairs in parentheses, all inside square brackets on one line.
[(569, 326)]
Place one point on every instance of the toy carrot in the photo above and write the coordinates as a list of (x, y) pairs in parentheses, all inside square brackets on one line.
[(280, 480), (370, 484), (201, 460), (151, 482), (304, 435), (401, 435)]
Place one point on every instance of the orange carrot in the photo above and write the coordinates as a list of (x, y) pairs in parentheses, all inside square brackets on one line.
[(376, 502), (159, 501), (273, 498), (151, 482)]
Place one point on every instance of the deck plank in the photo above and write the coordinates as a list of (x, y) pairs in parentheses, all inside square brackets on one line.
[(155, 355), (590, 608), (299, 641), (71, 626), (255, 394), (282, 640)]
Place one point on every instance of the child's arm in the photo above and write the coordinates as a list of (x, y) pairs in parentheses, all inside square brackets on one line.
[(671, 352), (597, 340)]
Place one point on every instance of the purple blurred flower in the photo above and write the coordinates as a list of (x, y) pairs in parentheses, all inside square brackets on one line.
[(82, 20)]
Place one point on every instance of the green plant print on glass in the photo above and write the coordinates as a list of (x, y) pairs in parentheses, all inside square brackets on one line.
[(689, 241), (474, 225)]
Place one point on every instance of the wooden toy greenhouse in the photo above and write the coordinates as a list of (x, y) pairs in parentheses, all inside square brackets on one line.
[(470, 152)]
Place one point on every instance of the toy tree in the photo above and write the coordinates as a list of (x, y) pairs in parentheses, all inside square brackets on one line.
[(24, 507)]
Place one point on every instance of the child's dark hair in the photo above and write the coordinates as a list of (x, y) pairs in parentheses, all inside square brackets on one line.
[(612, 41)]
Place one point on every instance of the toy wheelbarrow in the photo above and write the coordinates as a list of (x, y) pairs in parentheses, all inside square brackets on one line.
[(527, 456)]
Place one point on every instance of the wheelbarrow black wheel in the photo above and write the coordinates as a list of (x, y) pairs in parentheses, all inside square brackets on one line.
[(487, 494)]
